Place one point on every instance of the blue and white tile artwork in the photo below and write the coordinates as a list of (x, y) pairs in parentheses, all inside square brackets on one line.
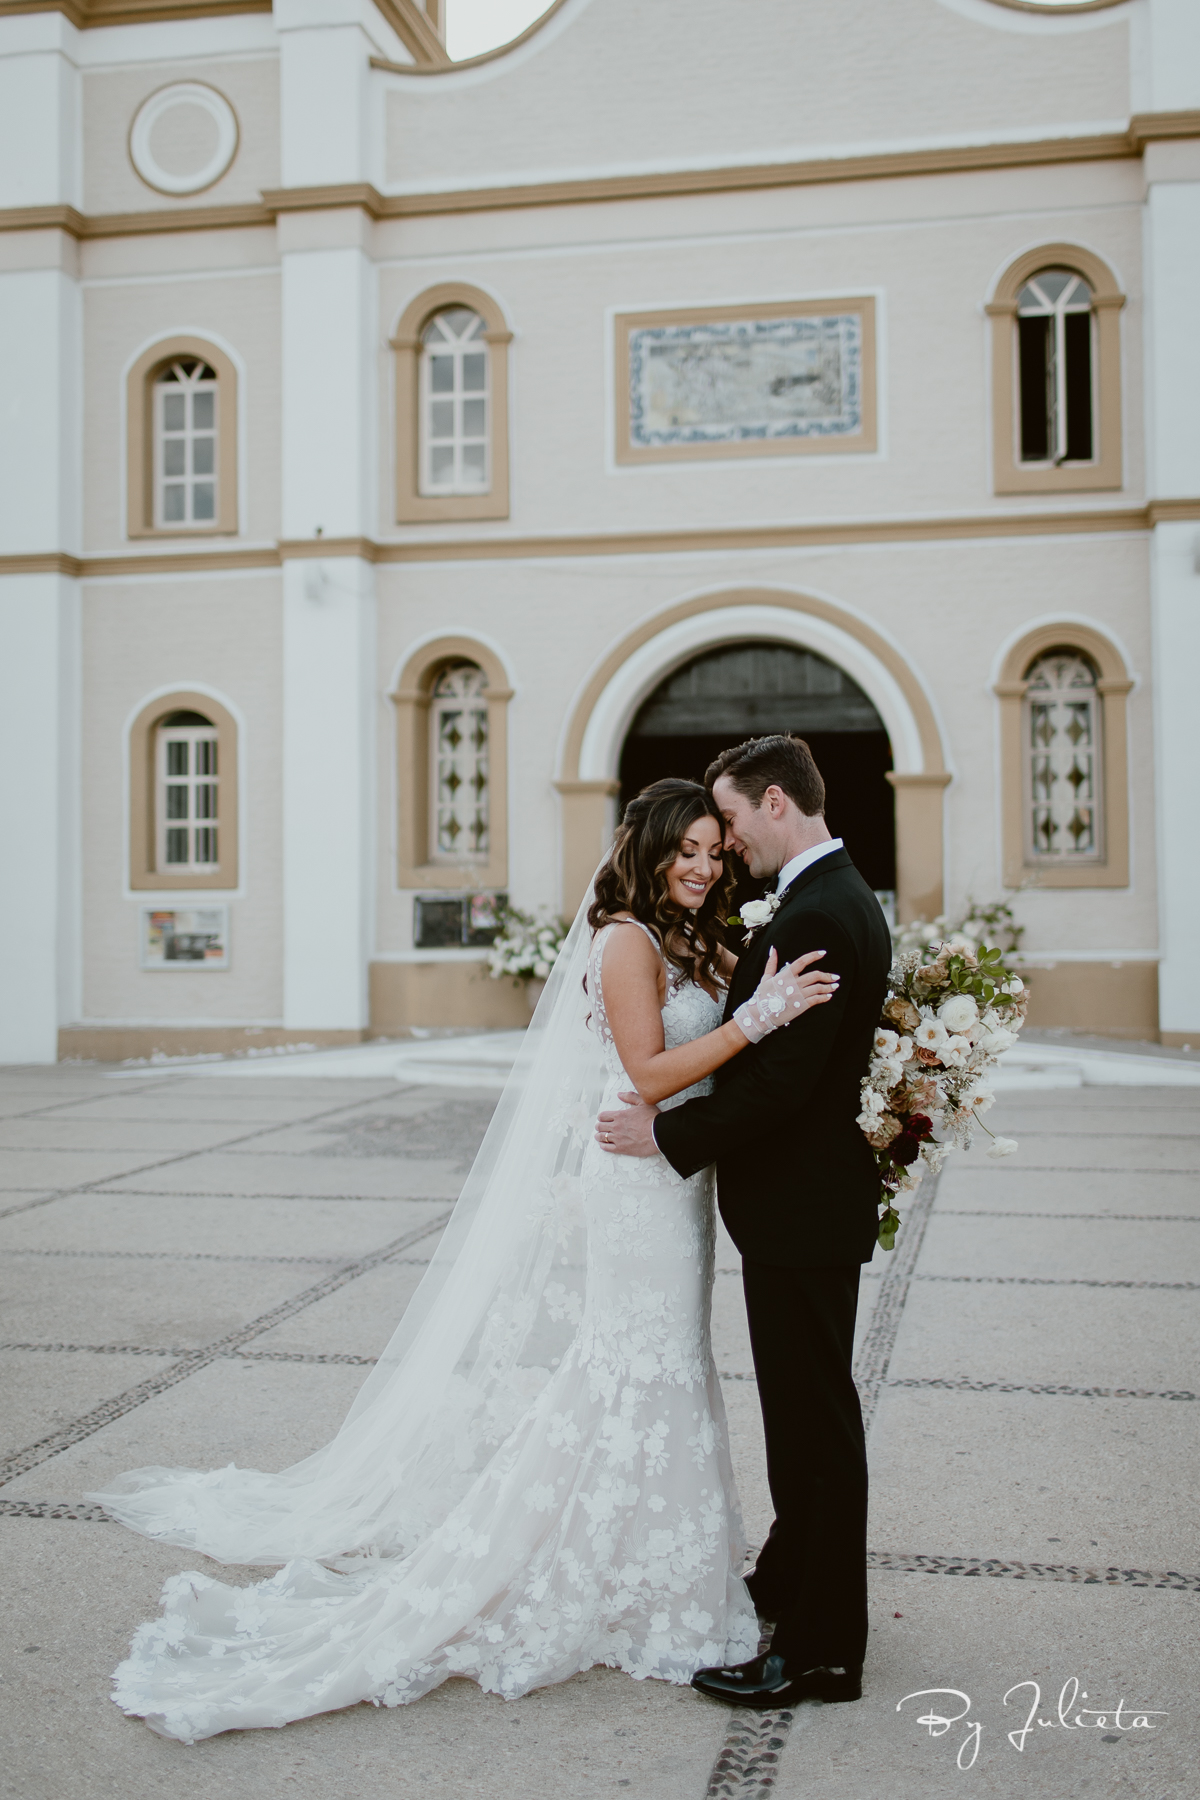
[(732, 381)]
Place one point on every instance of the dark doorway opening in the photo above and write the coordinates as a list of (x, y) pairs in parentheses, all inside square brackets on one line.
[(740, 691)]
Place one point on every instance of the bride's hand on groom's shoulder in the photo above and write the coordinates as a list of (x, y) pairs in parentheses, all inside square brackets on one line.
[(780, 998), (629, 1132)]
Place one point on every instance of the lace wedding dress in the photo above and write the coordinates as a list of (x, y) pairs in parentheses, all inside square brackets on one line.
[(530, 1514)]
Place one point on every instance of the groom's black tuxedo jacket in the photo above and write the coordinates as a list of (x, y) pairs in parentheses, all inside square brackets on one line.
[(796, 1179)]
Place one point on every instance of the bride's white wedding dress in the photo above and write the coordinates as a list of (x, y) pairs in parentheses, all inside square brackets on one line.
[(548, 1514)]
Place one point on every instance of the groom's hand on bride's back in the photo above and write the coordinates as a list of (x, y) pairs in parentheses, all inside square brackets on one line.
[(629, 1132)]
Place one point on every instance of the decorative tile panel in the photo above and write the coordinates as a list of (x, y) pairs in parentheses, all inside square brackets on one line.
[(756, 380)]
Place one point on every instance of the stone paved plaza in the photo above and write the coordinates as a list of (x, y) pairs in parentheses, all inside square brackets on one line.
[(198, 1268)]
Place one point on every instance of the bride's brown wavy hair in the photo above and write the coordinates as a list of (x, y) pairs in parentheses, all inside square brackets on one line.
[(634, 879)]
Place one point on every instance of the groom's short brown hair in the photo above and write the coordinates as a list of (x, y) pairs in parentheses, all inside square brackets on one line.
[(760, 763)]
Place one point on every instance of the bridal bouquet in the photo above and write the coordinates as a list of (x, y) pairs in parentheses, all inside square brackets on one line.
[(951, 1010)]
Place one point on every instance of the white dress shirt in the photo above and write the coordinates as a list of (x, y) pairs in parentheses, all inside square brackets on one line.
[(805, 860)]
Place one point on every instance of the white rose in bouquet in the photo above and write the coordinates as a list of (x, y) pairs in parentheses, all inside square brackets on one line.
[(959, 1012), (930, 1034), (886, 1043)]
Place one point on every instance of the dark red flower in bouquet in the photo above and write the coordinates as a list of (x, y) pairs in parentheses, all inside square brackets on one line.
[(918, 1125), (904, 1149)]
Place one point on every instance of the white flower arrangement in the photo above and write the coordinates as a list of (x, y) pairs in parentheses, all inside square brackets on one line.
[(528, 945), (950, 1012)]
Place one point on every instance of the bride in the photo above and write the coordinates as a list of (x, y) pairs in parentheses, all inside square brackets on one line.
[(535, 1477)]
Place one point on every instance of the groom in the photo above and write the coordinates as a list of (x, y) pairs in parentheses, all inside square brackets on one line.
[(798, 1191)]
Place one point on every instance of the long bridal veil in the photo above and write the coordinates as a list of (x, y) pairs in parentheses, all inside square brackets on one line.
[(481, 1336)]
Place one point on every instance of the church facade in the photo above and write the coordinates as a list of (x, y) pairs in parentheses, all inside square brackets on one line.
[(405, 459)]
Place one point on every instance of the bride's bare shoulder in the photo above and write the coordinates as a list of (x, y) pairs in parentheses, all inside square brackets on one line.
[(629, 955)]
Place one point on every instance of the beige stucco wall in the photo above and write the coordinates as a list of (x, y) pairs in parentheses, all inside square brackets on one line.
[(113, 96), (949, 607), (219, 632), (931, 249), (589, 96), (618, 83), (124, 313)]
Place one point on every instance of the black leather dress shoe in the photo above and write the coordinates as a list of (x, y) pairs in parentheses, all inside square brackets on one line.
[(768, 1682)]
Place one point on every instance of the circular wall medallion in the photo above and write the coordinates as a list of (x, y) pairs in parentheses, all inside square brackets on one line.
[(183, 138)]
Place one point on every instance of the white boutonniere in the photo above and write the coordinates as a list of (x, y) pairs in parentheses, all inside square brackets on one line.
[(755, 914)]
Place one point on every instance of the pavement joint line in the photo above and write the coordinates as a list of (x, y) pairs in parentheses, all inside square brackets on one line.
[(165, 1162), (107, 1193), (120, 1404), (299, 1356), (174, 1256), (1004, 1212), (204, 1149), (1062, 1169), (1120, 1137), (1057, 1281), (37, 1112)]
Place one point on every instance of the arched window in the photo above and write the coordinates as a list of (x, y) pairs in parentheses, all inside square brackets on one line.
[(185, 443), (1063, 769), (187, 794), (451, 699), (1065, 805), (1054, 347), (183, 794), (1056, 373), (452, 406), (458, 761), (181, 424)]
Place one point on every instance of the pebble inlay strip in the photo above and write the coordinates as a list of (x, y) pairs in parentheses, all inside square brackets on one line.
[(297, 1356), (960, 1384), (748, 1761), (120, 1404), (894, 1562), (1020, 1571), (965, 1385)]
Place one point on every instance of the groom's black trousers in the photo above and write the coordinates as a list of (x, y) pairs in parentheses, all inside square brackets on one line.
[(811, 1576)]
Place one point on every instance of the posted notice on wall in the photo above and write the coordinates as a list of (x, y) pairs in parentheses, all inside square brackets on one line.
[(192, 937)]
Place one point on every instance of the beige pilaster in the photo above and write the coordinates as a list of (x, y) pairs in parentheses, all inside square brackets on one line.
[(920, 872), (588, 818)]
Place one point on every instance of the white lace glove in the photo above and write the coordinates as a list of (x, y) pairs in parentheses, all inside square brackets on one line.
[(778, 999)]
